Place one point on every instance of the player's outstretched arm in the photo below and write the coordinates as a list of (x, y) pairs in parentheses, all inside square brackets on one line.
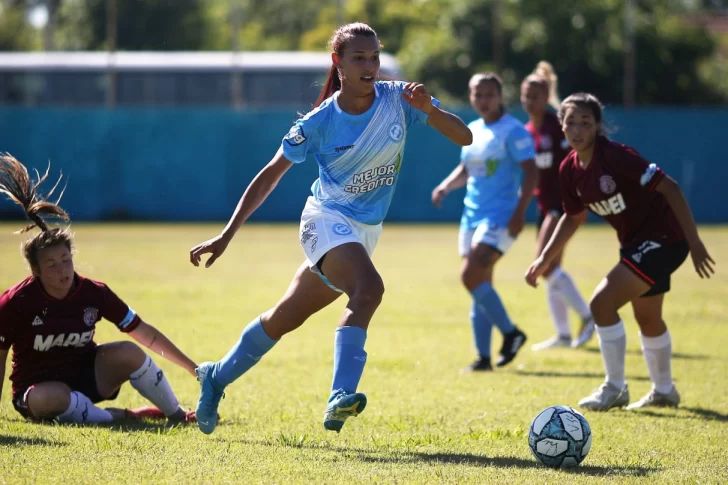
[(567, 226), (417, 96), (701, 259), (3, 358), (256, 193), (457, 178), (156, 341)]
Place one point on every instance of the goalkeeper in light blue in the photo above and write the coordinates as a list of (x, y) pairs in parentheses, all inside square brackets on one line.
[(356, 133)]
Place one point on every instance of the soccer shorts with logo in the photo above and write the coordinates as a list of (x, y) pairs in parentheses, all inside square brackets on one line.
[(82, 379), (322, 229), (654, 262), (487, 233)]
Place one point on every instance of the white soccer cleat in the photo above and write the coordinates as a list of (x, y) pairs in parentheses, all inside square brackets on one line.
[(657, 399), (606, 397), (552, 343), (588, 327)]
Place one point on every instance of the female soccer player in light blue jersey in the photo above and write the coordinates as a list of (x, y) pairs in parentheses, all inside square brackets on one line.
[(356, 133), (494, 212)]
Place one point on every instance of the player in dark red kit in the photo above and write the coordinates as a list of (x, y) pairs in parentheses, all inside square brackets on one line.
[(656, 231), (49, 319), (538, 91)]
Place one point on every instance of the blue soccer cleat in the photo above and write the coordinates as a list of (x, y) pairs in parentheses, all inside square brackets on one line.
[(342, 406), (210, 394)]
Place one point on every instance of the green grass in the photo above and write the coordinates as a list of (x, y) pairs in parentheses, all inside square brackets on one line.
[(425, 423)]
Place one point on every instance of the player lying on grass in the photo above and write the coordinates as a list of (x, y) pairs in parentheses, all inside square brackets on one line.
[(656, 231), (49, 320)]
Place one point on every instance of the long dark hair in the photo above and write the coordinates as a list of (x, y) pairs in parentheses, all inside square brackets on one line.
[(336, 44), (17, 185)]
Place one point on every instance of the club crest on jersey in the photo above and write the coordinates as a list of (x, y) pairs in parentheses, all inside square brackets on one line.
[(295, 136), (607, 184), (90, 316), (546, 142), (396, 132)]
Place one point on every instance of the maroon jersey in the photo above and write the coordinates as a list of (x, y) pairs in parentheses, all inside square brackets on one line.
[(551, 149), (50, 337), (619, 185)]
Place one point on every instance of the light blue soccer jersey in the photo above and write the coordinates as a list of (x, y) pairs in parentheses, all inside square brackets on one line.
[(494, 172), (359, 156)]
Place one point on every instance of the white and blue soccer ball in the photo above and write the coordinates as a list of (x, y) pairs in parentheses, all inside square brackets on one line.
[(560, 437)]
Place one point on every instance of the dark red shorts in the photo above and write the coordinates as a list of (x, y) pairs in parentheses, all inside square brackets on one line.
[(654, 262), (556, 212), (83, 381)]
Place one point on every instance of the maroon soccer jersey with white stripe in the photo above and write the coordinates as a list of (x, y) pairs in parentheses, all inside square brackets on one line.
[(50, 337), (551, 149), (619, 185)]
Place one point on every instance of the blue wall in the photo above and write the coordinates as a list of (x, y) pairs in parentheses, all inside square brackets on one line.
[(181, 165)]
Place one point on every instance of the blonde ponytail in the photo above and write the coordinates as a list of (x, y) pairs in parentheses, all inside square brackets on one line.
[(545, 71)]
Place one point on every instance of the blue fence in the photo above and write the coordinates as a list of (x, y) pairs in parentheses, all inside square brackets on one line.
[(192, 165)]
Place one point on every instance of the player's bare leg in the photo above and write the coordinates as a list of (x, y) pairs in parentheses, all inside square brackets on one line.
[(349, 268), (119, 362), (477, 277), (562, 294), (657, 349), (618, 288), (55, 400), (306, 295)]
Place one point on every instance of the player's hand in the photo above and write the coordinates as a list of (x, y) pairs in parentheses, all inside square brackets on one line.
[(516, 224), (215, 247), (536, 269), (438, 195), (701, 259), (417, 96)]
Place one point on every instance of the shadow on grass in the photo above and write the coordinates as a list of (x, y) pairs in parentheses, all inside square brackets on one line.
[(692, 413), (504, 462), (9, 440), (675, 355), (584, 375), (395, 456)]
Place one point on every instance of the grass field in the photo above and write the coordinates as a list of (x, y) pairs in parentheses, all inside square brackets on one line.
[(425, 423)]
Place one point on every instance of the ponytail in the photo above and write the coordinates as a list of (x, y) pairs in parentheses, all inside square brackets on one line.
[(16, 184), (332, 84)]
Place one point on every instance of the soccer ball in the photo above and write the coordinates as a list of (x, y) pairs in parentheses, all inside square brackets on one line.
[(560, 437)]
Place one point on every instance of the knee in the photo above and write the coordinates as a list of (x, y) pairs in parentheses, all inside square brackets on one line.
[(553, 266), (601, 308), (369, 291), (48, 401), (126, 356), (471, 276), (648, 320)]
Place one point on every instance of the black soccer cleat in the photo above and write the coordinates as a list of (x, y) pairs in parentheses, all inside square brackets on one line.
[(512, 343), (480, 365)]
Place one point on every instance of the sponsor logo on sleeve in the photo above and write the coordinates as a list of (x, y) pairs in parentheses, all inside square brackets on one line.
[(295, 136)]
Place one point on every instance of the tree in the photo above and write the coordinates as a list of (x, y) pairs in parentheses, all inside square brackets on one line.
[(15, 32), (162, 25)]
